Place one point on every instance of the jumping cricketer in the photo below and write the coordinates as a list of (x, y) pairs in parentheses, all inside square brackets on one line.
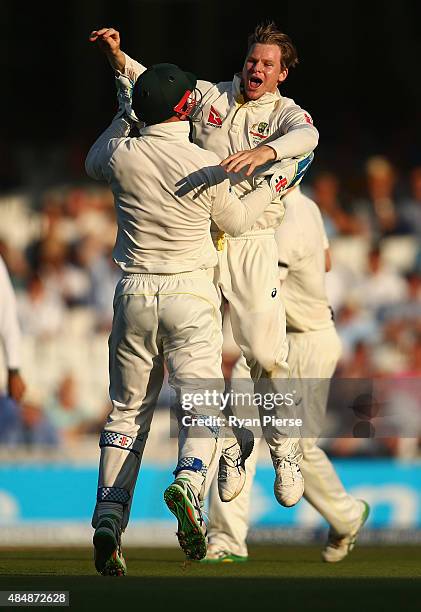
[(247, 123), (166, 308), (314, 350)]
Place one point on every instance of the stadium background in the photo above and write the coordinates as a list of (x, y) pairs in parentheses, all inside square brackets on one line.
[(357, 78)]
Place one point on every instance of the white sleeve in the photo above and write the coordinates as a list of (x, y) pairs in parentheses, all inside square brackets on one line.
[(9, 326), (295, 134), (234, 215), (97, 163), (132, 68)]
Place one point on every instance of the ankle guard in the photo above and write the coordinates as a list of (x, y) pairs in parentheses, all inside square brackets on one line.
[(191, 463)]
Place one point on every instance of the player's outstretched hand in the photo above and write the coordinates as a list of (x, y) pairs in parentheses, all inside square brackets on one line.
[(253, 159), (108, 40)]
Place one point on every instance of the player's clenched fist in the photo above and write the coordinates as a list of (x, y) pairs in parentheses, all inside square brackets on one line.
[(108, 40)]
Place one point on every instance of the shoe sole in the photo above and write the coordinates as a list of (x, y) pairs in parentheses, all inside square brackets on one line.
[(190, 537), (107, 559)]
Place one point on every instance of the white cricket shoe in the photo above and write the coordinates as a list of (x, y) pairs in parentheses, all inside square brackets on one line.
[(339, 546), (215, 554), (289, 482), (232, 471)]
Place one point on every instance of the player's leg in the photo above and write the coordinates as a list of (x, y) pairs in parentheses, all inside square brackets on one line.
[(191, 332), (229, 522), (136, 373), (313, 356), (259, 328), (239, 437), (325, 492), (256, 309)]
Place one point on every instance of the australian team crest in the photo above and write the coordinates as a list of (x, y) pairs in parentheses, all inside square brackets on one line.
[(258, 132)]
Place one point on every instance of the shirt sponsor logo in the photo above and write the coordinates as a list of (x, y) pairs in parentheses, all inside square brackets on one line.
[(259, 131), (214, 118), (274, 292)]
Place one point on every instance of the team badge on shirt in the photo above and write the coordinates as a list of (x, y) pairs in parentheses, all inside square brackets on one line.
[(214, 118), (258, 132)]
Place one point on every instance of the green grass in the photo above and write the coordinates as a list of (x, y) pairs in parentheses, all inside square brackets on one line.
[(290, 578)]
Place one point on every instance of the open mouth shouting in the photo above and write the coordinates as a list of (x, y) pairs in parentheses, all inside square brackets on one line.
[(253, 83)]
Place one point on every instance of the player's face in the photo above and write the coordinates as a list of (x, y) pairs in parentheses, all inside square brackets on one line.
[(262, 71)]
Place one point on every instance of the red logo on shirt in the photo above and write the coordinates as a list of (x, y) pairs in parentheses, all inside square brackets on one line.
[(214, 118), (308, 119), (280, 184)]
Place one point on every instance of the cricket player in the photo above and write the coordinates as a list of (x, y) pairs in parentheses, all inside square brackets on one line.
[(314, 349), (10, 335), (248, 123), (166, 307)]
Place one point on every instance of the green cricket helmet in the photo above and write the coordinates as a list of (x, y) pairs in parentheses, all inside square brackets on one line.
[(163, 91)]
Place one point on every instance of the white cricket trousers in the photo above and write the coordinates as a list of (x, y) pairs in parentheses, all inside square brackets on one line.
[(175, 318), (311, 355), (247, 276)]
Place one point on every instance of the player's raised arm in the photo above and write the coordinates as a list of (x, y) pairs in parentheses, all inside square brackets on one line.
[(108, 40), (98, 160)]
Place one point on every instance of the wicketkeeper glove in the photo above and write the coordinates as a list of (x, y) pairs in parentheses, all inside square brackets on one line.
[(282, 175)]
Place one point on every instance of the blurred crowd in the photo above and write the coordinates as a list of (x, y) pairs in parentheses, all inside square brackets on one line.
[(58, 254)]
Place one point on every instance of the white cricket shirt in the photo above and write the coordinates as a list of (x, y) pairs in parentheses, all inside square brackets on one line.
[(166, 190), (9, 326), (302, 241)]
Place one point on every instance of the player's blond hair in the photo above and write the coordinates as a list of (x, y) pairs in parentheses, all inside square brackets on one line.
[(269, 34)]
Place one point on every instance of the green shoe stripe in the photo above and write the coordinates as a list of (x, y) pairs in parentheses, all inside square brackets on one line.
[(229, 558), (364, 518)]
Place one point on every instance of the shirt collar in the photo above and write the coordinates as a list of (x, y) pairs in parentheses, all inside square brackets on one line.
[(174, 129)]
